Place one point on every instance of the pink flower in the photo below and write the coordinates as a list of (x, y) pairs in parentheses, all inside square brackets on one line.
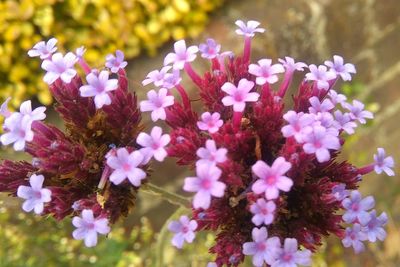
[(125, 165), (210, 154), (205, 184), (340, 68), (249, 29), (263, 212), (172, 79), (210, 49), (184, 231), (297, 123), (88, 227), (344, 122), (115, 63), (356, 208), (210, 122), (17, 130), (318, 106), (43, 50), (320, 75), (374, 228), (357, 112), (238, 96), (35, 194), (353, 238), (290, 65), (291, 256), (318, 141), (59, 66), (99, 87), (265, 72), (182, 55), (156, 103), (383, 163), (271, 178), (153, 144), (263, 249), (156, 76)]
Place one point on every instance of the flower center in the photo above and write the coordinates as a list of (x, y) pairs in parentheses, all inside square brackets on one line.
[(126, 167), (287, 257), (185, 229), (261, 246), (238, 97), (37, 194), (271, 180), (355, 206), (206, 184)]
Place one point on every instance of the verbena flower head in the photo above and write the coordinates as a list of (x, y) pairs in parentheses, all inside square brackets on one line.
[(94, 169), (281, 171)]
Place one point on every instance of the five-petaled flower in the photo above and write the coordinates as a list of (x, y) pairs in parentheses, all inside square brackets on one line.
[(210, 154), (357, 208), (156, 76), (43, 49), (238, 96), (249, 29), (290, 65), (210, 49), (291, 256), (182, 55), (35, 194), (297, 124), (341, 69), (374, 228), (59, 66), (354, 237), (153, 144), (357, 111), (210, 122), (383, 163), (318, 141), (184, 231), (17, 130), (263, 212), (265, 72), (115, 63), (321, 75), (156, 103), (88, 227)]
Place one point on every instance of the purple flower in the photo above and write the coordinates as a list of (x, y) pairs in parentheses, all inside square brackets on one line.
[(125, 165), (210, 154), (156, 76), (43, 50), (374, 228), (35, 194), (265, 72), (291, 256), (318, 106), (297, 123), (4, 111), (212, 264), (290, 65), (172, 79), (344, 122), (238, 96), (153, 144), (263, 249), (88, 227), (205, 184), (263, 212), (59, 66), (272, 179), (353, 238), (356, 208), (320, 75), (210, 122), (210, 49), (357, 112), (337, 98), (115, 63), (182, 55), (318, 141), (98, 87), (340, 68), (156, 103), (80, 51), (17, 130), (184, 231), (339, 192), (383, 163), (249, 29)]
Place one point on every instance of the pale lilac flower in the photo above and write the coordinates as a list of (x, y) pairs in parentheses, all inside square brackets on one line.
[(4, 111), (271, 178), (125, 165), (318, 141), (297, 123), (357, 111), (357, 208), (17, 130), (320, 75), (265, 72), (153, 144), (156, 76), (35, 194), (291, 256), (340, 68), (184, 230), (182, 55), (205, 184), (263, 212), (210, 122), (249, 29), (337, 98), (88, 227), (156, 103), (339, 192), (115, 63), (35, 115), (353, 238), (290, 65), (210, 49), (344, 122), (374, 228), (99, 87), (238, 96), (59, 66), (318, 106), (171, 80), (263, 249), (80, 51), (383, 163), (210, 154), (326, 120), (43, 50)]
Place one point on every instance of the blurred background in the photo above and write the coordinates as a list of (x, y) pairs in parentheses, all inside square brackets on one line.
[(365, 32)]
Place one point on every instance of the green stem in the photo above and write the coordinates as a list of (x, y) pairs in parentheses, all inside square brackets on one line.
[(169, 196)]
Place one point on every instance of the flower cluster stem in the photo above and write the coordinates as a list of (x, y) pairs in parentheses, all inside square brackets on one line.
[(192, 74)]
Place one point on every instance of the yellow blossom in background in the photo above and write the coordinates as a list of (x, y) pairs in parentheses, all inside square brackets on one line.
[(102, 26)]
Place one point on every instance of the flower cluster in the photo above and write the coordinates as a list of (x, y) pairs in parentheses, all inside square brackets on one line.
[(268, 179), (94, 169)]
